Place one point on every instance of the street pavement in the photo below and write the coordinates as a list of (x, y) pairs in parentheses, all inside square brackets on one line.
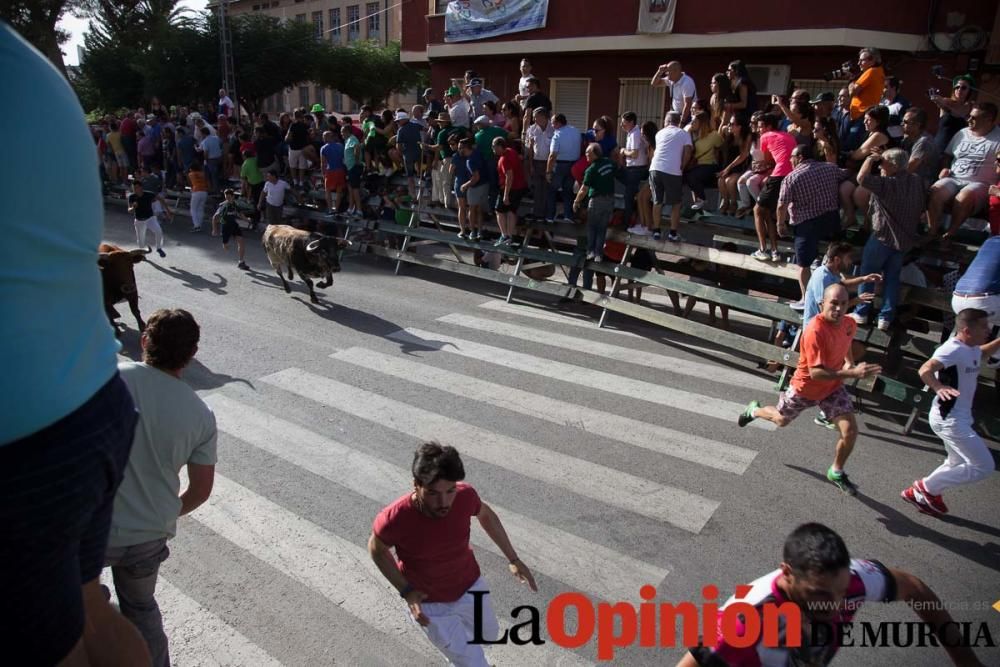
[(612, 457)]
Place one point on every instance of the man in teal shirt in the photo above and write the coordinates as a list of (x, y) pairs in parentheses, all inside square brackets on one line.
[(599, 191), (485, 135)]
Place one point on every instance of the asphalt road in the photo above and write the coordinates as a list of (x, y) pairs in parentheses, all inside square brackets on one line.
[(613, 457)]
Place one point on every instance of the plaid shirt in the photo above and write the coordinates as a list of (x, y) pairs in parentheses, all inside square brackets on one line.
[(812, 189), (897, 203)]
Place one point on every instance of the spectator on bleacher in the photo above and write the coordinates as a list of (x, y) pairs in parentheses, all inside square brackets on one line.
[(842, 116), (458, 108), (434, 105), (410, 145), (252, 182), (168, 143), (536, 156), (703, 167), (953, 111), (791, 108), (738, 136), (802, 127), (492, 111), (512, 120), (513, 186), (297, 137), (826, 147), (666, 176), (272, 198), (924, 158), (809, 202), (721, 98), (458, 169), (536, 100), (994, 206), (635, 156), (564, 150), (897, 106), (486, 132), (475, 189), (823, 105), (198, 180), (777, 148), (477, 95), (644, 200), (266, 148), (186, 152), (744, 90), (598, 189), (751, 180), (334, 173), (442, 158), (866, 90), (354, 160), (146, 148), (681, 88), (523, 90), (603, 132), (968, 172), (853, 196), (897, 203)]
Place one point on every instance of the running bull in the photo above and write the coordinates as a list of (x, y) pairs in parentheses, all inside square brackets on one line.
[(311, 255), (118, 278)]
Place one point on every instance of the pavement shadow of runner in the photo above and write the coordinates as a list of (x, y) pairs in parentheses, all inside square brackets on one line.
[(898, 523), (200, 376), (193, 280)]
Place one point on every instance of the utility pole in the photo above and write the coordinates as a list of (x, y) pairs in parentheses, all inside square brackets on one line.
[(226, 47)]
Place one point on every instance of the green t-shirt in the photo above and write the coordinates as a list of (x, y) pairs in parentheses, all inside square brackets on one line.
[(600, 177), (484, 141), (368, 128), (251, 172), (442, 139)]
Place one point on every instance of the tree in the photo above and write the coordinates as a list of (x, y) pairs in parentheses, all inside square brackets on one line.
[(367, 72), (36, 21)]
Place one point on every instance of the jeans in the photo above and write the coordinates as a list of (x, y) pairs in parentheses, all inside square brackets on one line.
[(599, 212), (632, 177), (134, 570), (579, 259), (539, 188), (562, 180), (749, 185), (878, 257)]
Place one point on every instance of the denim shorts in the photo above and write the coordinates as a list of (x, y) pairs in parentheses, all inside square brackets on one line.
[(57, 490)]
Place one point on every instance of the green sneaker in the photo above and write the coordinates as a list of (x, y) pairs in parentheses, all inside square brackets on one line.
[(747, 415), (842, 482), (825, 423)]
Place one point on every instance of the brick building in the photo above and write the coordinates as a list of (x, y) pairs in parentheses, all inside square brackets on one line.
[(592, 60)]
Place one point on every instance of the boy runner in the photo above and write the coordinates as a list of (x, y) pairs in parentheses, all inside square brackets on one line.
[(227, 212)]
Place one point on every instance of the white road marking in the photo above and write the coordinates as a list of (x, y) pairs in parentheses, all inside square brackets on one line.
[(620, 386), (600, 483), (702, 451), (584, 565)]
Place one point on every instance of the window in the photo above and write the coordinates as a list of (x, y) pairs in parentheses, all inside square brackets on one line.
[(335, 25), (301, 18), (440, 6), (317, 18), (635, 94), (334, 100), (321, 96), (353, 23), (374, 20), (571, 98), (303, 96)]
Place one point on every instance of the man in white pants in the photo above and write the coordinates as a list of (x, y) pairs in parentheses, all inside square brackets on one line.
[(434, 569), (952, 373), (140, 204)]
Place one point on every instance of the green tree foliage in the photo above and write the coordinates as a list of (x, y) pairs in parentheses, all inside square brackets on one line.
[(36, 21), (367, 72)]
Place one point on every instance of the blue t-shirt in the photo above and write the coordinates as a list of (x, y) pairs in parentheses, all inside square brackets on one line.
[(333, 156), (212, 146), (461, 169), (56, 345), (820, 279), (408, 140), (983, 274), (474, 163), (607, 144)]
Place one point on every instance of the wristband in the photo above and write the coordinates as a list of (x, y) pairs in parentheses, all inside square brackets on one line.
[(407, 589)]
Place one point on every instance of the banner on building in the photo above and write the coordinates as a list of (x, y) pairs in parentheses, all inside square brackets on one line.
[(466, 20), (656, 16)]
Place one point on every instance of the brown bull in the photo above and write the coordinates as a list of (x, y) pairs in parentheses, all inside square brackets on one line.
[(118, 278)]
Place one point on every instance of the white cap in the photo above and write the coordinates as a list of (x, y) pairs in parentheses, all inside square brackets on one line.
[(483, 120), (402, 115)]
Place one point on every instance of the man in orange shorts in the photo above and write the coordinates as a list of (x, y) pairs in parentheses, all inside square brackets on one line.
[(825, 361), (334, 174)]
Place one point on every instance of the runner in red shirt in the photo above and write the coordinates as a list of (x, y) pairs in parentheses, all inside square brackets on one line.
[(825, 360), (434, 568)]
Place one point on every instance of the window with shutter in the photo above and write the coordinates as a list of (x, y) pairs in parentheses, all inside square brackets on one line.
[(635, 94), (571, 98)]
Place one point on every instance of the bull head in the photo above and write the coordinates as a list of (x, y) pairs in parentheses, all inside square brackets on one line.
[(325, 242), (139, 254)]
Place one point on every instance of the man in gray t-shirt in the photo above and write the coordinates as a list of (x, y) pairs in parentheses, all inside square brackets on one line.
[(925, 160), (175, 429), (969, 170)]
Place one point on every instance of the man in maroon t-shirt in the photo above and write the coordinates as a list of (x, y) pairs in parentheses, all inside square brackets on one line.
[(434, 569)]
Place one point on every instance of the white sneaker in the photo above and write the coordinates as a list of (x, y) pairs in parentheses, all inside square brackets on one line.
[(760, 255), (698, 205), (638, 230), (775, 256), (883, 324), (860, 319)]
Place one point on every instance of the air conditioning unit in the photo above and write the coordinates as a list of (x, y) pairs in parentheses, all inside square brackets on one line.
[(770, 79)]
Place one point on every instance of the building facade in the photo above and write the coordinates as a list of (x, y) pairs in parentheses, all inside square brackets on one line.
[(340, 22), (592, 60)]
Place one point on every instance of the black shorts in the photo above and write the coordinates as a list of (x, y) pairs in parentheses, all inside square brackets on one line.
[(354, 176), (809, 233), (230, 228), (57, 490), (768, 197), (515, 201)]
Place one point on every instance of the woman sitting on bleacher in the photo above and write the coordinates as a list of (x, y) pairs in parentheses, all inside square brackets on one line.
[(739, 139), (826, 146), (853, 197), (701, 171), (752, 179)]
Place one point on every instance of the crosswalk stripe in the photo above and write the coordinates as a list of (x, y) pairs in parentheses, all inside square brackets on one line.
[(197, 636), (663, 362), (603, 484), (621, 386), (702, 451), (339, 570), (582, 564)]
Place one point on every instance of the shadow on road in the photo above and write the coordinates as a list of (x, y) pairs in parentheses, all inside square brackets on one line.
[(200, 376), (897, 523), (345, 316), (193, 280)]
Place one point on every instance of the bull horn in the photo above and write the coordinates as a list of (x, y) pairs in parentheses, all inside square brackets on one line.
[(103, 255), (313, 245), (140, 251)]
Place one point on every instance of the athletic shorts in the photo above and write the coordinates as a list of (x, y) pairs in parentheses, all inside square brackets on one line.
[(791, 405), (809, 233), (479, 195), (57, 490), (230, 228), (768, 197), (354, 176), (297, 159), (515, 201), (667, 188), (335, 180)]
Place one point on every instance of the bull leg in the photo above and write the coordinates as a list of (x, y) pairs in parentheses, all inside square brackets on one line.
[(112, 316), (291, 276), (133, 305), (309, 284), (326, 282), (277, 269)]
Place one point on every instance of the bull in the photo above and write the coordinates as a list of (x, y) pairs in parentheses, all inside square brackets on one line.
[(118, 280), (311, 255)]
